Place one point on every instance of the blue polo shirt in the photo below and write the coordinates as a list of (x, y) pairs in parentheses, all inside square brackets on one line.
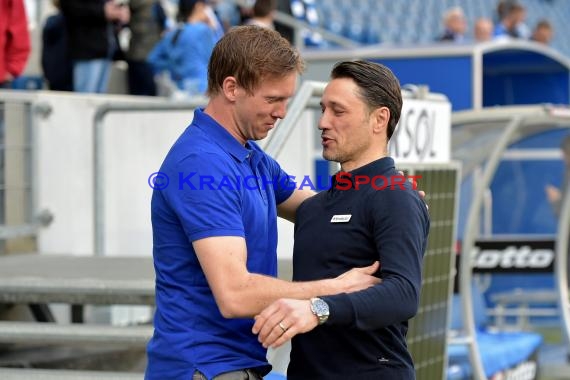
[(214, 187)]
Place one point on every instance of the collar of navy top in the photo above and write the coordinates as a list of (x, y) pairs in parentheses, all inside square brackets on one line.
[(371, 169)]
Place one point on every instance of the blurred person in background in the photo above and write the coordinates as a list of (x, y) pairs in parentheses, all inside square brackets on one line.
[(180, 59), (483, 30), (148, 21), (263, 13), (245, 10), (454, 24), (14, 41), (214, 20), (56, 62), (553, 193), (543, 32), (284, 6), (512, 15), (91, 26), (502, 6)]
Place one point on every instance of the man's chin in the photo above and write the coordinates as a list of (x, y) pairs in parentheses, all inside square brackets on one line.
[(328, 154)]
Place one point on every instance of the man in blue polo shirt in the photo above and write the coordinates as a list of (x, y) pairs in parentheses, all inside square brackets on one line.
[(214, 225), (369, 214)]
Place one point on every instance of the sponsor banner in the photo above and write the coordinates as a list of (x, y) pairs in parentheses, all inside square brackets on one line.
[(423, 133), (508, 256)]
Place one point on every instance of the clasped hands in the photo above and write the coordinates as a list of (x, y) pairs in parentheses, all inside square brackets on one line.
[(285, 318)]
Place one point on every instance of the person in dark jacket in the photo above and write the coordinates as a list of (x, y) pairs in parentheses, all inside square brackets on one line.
[(369, 214), (146, 25), (91, 26), (56, 61)]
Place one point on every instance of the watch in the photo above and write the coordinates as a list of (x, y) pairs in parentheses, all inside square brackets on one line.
[(321, 309)]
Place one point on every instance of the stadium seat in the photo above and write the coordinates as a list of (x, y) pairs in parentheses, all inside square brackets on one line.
[(499, 350)]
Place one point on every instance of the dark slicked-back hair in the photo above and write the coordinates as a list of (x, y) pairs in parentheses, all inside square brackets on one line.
[(378, 87), (251, 53)]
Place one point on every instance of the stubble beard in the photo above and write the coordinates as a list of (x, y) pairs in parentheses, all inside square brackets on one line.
[(331, 156)]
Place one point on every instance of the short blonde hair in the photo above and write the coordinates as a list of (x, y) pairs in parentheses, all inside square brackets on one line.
[(250, 53)]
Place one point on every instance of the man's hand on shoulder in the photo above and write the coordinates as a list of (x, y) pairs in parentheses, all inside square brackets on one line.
[(421, 193), (358, 279)]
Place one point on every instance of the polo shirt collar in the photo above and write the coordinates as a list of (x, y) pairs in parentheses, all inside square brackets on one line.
[(220, 135)]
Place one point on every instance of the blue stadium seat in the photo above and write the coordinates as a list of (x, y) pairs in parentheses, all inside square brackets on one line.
[(499, 350), (372, 33), (336, 22), (355, 28)]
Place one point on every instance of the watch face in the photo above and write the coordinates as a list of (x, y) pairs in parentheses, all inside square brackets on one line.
[(320, 307)]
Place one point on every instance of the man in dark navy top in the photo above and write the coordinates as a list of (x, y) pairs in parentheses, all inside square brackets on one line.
[(370, 213), (214, 219)]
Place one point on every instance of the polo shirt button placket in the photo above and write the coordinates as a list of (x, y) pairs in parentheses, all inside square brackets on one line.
[(254, 162)]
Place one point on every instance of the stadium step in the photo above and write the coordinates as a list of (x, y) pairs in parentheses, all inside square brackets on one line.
[(29, 332), (52, 374)]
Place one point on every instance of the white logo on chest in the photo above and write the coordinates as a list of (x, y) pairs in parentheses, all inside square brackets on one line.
[(341, 218)]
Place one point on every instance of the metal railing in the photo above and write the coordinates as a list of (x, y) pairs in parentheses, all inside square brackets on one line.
[(19, 215), (517, 127), (302, 100), (299, 26), (561, 269), (98, 147)]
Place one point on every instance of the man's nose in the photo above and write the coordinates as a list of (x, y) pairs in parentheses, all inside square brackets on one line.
[(280, 111), (323, 122)]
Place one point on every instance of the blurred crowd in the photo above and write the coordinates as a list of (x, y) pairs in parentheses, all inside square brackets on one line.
[(508, 22), (167, 43), (166, 50)]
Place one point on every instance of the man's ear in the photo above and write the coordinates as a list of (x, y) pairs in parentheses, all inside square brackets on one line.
[(230, 88), (381, 118)]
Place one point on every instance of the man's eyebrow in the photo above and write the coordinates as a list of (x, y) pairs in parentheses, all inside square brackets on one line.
[(332, 104)]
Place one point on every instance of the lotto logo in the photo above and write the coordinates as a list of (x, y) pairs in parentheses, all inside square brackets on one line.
[(512, 257)]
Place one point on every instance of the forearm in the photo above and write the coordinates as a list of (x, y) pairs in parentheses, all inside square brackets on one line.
[(394, 300), (254, 293), (245, 295)]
